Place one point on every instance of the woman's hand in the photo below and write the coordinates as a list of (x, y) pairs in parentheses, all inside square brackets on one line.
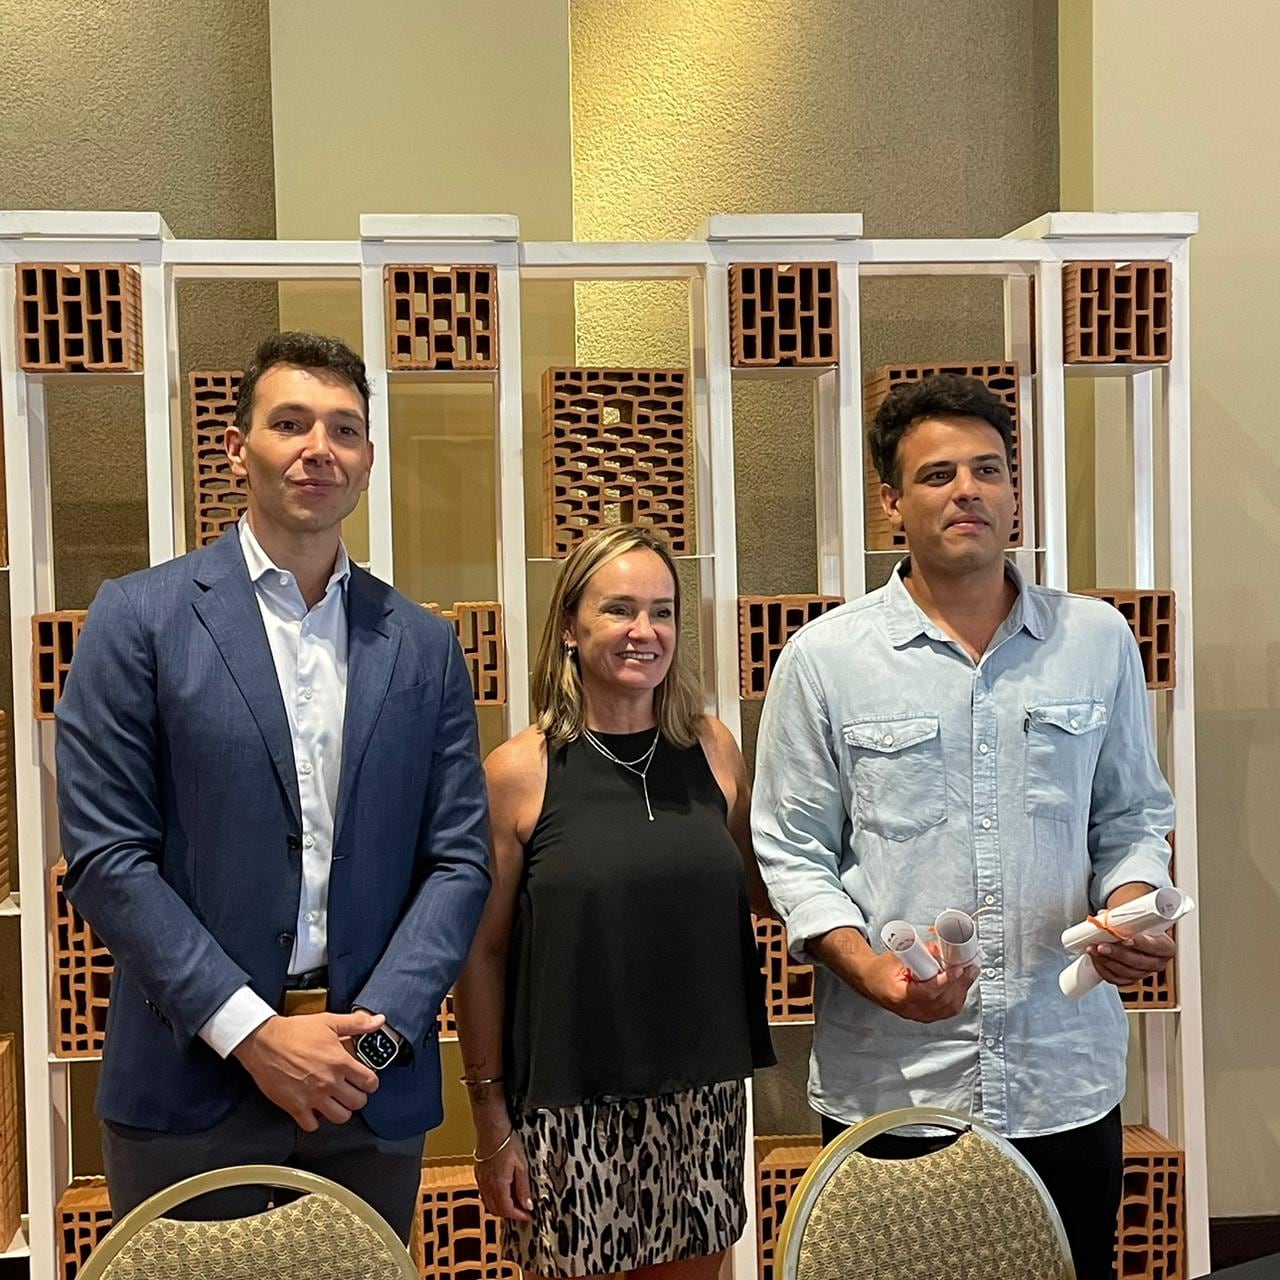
[(503, 1180)]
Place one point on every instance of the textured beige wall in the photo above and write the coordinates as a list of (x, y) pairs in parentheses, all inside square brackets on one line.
[(1184, 117)]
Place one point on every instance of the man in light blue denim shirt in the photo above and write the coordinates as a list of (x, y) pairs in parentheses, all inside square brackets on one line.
[(962, 738)]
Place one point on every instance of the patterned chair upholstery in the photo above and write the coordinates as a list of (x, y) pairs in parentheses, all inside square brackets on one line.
[(972, 1211), (328, 1232)]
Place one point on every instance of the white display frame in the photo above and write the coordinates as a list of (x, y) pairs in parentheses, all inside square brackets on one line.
[(1036, 252)]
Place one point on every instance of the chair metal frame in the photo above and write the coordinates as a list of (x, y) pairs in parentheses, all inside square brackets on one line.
[(831, 1157), (270, 1175)]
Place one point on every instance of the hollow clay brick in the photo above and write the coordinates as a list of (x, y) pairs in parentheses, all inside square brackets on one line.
[(1151, 1227), (84, 1218), (1117, 312), (1156, 990), (783, 314), (478, 625), (442, 317), (6, 838), (1151, 616), (81, 976), (74, 319), (455, 1236), (780, 1164), (614, 451), (1000, 378), (765, 624), (788, 985), (54, 637), (218, 496), (10, 1159)]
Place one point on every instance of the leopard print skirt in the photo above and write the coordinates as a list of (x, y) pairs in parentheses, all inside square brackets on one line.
[(620, 1185)]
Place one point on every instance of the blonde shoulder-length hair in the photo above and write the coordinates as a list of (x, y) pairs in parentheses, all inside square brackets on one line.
[(557, 682)]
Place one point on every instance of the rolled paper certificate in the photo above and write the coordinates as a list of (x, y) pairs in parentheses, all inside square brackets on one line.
[(1155, 912), (957, 937), (901, 938)]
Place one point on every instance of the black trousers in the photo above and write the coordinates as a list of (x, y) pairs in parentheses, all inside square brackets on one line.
[(382, 1172), (1082, 1168)]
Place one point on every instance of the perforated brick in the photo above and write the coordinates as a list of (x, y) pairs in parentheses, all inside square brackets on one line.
[(614, 451), (478, 626), (780, 1164), (10, 1160), (54, 637), (1151, 1228), (442, 317), (456, 1237), (447, 1020), (1000, 378), (1156, 990), (74, 319), (81, 977), (1117, 312), (788, 985), (84, 1218), (1151, 616), (6, 838), (783, 314), (218, 496), (765, 624)]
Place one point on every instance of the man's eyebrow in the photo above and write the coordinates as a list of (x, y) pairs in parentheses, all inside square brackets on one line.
[(294, 407), (948, 462)]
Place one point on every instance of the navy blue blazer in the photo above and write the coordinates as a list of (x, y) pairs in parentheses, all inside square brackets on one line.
[(181, 825)]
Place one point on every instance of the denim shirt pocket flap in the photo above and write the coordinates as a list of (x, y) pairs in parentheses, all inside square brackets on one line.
[(888, 736), (1070, 717)]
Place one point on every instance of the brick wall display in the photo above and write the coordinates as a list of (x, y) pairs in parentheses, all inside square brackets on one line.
[(84, 1218), (788, 985), (1151, 616), (455, 1237), (81, 975), (1151, 1228), (74, 319), (478, 625), (442, 317), (780, 1164), (218, 496), (765, 624), (614, 451), (783, 314), (6, 838), (54, 637), (10, 1158), (1117, 312), (1000, 378)]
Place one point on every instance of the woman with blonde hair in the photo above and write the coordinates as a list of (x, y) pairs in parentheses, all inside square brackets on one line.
[(612, 1005)]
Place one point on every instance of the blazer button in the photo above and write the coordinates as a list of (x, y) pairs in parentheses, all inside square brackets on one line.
[(285, 939), (294, 842)]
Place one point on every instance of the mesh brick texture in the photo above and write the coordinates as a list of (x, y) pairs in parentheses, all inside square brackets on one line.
[(54, 637), (478, 626), (84, 1218), (455, 1237), (614, 451), (218, 496), (1151, 1230), (783, 315), (765, 624), (1117, 312), (780, 1164), (442, 317), (788, 985), (1151, 616), (81, 976), (74, 319)]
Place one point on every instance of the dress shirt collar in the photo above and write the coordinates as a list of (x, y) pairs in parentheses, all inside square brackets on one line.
[(259, 563)]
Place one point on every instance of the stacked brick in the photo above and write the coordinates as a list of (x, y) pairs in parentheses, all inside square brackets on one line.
[(10, 1160), (478, 625), (442, 317), (218, 496), (1156, 990), (765, 624), (780, 1164), (455, 1237), (54, 637), (1117, 312), (1151, 616), (782, 315), (788, 985), (615, 451), (1000, 378), (6, 840), (74, 319), (84, 1218), (81, 974), (1151, 1231)]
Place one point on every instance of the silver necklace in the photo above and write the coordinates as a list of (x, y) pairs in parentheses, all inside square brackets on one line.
[(643, 762)]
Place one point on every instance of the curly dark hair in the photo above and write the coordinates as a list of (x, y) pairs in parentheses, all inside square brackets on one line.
[(944, 395), (306, 351)]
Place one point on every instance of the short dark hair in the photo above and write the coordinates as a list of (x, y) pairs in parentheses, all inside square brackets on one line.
[(944, 395), (306, 351)]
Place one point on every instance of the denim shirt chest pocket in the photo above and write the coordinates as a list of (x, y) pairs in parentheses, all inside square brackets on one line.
[(1063, 742), (899, 783)]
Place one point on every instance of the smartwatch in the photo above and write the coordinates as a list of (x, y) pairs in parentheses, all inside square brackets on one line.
[(377, 1049)]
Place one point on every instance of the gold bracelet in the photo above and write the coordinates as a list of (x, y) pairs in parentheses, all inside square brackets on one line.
[(477, 1084), (478, 1159)]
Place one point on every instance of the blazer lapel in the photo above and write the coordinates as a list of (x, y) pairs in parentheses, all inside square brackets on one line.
[(230, 613)]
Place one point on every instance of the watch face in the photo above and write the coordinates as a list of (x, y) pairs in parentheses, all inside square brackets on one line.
[(376, 1049)]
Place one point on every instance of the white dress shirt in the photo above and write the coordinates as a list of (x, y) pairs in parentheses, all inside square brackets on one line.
[(309, 649)]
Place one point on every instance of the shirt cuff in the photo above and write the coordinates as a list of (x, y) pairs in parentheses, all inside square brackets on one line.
[(242, 1013), (820, 915), (1143, 865)]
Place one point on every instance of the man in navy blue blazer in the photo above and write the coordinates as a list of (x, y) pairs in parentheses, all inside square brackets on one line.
[(273, 813)]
